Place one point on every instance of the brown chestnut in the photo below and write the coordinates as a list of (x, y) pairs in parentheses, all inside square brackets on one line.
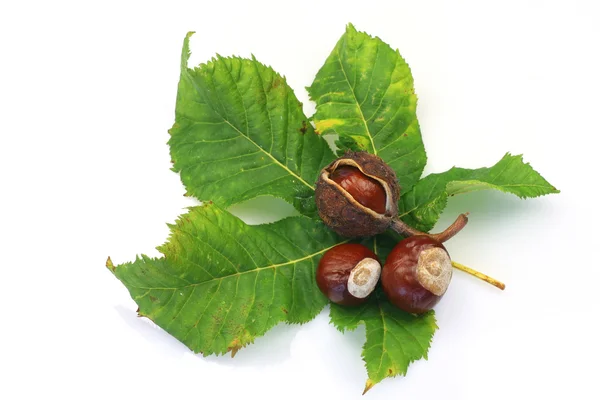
[(357, 195), (364, 189), (416, 274), (348, 273)]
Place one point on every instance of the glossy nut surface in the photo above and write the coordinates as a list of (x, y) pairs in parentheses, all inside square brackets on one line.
[(338, 208), (334, 270), (416, 262), (367, 191)]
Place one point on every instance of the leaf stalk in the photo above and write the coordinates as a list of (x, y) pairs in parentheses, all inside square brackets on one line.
[(461, 221), (479, 275)]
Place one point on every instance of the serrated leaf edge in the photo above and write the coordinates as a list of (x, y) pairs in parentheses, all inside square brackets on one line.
[(185, 55)]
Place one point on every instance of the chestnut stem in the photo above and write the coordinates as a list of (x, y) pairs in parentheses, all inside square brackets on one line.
[(403, 229), (479, 275)]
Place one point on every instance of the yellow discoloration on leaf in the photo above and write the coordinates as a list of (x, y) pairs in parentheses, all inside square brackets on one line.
[(110, 265), (326, 124), (368, 386)]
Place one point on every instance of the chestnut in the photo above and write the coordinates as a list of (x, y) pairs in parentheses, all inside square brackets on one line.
[(357, 195), (348, 273), (416, 274)]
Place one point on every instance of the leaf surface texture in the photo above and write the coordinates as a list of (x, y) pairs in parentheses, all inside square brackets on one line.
[(222, 283), (422, 206), (365, 94), (240, 133)]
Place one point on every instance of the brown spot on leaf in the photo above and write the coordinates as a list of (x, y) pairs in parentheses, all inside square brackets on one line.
[(153, 299), (277, 82), (284, 310), (217, 317), (303, 129), (390, 372), (405, 135)]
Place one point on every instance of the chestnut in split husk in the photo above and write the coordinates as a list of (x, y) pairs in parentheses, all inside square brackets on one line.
[(348, 273), (416, 274), (335, 201), (357, 195)]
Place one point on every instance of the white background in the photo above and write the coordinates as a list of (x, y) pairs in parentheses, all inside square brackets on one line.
[(87, 94)]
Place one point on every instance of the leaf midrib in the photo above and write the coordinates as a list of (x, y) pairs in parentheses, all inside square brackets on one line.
[(362, 116), (258, 269)]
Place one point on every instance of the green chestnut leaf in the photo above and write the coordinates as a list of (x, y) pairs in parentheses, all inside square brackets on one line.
[(240, 133), (365, 94)]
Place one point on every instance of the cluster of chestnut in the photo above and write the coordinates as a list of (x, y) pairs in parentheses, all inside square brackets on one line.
[(357, 196)]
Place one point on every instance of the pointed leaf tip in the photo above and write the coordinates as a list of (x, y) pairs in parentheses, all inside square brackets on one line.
[(185, 50), (109, 264), (368, 386)]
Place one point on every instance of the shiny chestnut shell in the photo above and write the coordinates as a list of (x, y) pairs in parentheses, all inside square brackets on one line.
[(334, 270), (367, 191), (344, 214), (399, 275)]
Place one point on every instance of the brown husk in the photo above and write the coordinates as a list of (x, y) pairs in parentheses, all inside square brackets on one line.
[(345, 215)]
